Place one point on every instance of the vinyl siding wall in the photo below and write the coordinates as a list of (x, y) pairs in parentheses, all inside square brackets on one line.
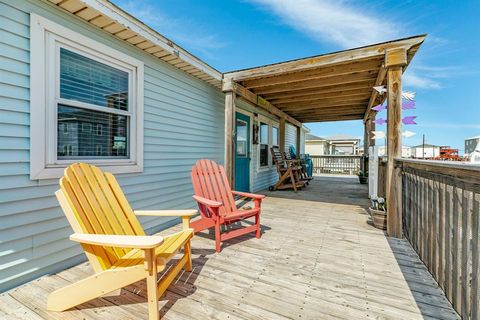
[(184, 121), (261, 178), (290, 136)]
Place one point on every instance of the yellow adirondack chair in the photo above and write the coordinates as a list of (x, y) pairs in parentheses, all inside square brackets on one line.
[(114, 241)]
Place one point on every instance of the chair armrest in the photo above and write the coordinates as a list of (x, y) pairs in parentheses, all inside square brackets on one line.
[(248, 195), (120, 241), (166, 213), (207, 202)]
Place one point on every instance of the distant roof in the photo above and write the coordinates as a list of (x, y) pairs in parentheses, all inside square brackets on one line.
[(426, 145), (310, 136), (476, 137), (342, 137)]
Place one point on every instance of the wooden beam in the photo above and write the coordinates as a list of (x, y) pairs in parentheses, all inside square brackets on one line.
[(359, 93), (281, 130), (330, 118), (374, 95), (368, 52), (241, 91), (325, 90), (396, 57), (321, 102), (319, 107), (229, 161), (329, 111), (336, 70), (394, 150), (368, 76)]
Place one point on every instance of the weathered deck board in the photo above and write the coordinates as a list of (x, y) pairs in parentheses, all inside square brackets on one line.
[(317, 259)]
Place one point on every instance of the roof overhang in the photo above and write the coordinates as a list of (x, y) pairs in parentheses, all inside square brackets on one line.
[(330, 87), (108, 17)]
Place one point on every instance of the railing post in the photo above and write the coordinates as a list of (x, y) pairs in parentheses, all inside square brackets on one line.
[(395, 60)]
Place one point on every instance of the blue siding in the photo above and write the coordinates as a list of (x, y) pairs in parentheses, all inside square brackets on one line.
[(290, 136), (183, 122)]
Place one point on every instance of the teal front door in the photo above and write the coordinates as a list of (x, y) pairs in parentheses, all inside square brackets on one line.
[(242, 152)]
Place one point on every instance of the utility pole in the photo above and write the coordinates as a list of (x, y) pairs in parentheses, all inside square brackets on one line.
[(423, 146)]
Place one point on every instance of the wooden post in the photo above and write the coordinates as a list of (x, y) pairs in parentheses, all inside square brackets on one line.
[(371, 127), (230, 136), (366, 134), (298, 142), (282, 135), (394, 150)]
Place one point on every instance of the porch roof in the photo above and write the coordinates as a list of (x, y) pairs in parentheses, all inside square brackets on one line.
[(329, 87)]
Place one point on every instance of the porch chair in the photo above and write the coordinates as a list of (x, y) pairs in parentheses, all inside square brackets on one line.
[(292, 156), (289, 172), (114, 241), (217, 205)]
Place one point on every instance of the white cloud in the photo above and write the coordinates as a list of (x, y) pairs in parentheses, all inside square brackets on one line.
[(337, 22), (182, 31), (414, 80), (346, 25)]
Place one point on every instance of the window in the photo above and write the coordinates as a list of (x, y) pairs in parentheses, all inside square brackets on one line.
[(97, 90), (99, 129), (264, 144), (99, 150), (86, 127), (241, 138), (275, 136)]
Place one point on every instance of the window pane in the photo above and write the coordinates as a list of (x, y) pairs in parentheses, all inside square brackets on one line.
[(241, 138), (263, 155), (274, 136), (263, 133), (80, 143), (86, 80)]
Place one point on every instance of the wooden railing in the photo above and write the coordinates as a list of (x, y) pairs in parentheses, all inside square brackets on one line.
[(333, 164), (441, 220)]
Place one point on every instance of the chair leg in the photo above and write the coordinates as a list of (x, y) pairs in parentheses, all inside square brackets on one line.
[(188, 252), (257, 223), (217, 236), (294, 181), (152, 292)]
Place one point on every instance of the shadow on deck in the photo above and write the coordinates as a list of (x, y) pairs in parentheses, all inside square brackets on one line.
[(317, 259)]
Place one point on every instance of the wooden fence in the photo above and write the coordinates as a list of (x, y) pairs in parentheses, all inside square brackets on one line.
[(333, 164), (441, 220)]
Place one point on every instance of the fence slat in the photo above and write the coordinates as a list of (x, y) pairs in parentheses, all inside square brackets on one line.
[(441, 235), (466, 238), (448, 242), (475, 310)]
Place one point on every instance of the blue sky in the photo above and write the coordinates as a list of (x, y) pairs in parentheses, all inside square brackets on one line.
[(235, 34)]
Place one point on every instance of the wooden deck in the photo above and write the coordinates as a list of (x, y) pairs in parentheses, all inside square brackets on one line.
[(317, 259)]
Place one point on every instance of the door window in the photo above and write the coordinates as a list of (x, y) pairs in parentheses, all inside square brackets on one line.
[(241, 138)]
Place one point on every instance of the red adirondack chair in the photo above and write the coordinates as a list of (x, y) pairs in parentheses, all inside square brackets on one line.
[(217, 204)]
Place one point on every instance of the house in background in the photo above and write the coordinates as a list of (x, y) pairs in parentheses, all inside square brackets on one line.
[(317, 146), (471, 144), (406, 151), (344, 144), (425, 151)]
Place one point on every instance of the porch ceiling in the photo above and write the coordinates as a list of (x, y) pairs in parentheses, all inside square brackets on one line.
[(330, 87)]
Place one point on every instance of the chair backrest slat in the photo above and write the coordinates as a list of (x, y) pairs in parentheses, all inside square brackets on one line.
[(100, 207), (210, 182)]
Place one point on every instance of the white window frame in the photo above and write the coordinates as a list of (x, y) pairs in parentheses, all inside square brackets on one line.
[(271, 123), (46, 37)]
